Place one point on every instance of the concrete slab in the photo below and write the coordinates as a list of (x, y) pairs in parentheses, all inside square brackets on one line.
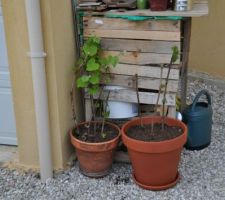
[(8, 154)]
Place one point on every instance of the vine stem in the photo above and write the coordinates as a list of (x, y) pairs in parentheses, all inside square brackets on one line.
[(92, 136), (164, 93), (138, 99), (104, 110), (160, 88)]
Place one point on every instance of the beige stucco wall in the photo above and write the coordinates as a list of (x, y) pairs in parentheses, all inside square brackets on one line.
[(21, 80), (59, 46), (207, 51)]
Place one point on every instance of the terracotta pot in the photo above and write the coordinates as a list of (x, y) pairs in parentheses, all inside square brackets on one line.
[(155, 164), (158, 5), (95, 159)]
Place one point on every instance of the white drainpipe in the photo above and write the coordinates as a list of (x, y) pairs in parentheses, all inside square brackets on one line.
[(37, 56)]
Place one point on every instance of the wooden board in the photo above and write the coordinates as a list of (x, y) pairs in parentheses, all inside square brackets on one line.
[(88, 112), (124, 24), (185, 58), (145, 71), (138, 58), (200, 8), (144, 46), (143, 82), (172, 111), (131, 34), (131, 96)]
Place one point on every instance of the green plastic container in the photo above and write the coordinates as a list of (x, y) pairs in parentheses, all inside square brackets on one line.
[(198, 117), (141, 4)]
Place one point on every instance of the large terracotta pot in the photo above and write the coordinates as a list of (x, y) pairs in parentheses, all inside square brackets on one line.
[(95, 159), (155, 164), (158, 5)]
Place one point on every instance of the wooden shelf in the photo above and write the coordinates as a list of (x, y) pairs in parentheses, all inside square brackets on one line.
[(200, 8)]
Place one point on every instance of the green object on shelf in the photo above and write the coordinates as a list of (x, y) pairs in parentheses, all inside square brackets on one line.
[(141, 4), (131, 17), (141, 18)]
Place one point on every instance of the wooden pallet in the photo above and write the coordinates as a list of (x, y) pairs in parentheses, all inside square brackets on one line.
[(142, 46)]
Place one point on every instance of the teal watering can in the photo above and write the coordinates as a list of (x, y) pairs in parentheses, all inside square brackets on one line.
[(198, 117)]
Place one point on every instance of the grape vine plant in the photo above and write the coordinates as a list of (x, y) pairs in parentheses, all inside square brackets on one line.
[(93, 69)]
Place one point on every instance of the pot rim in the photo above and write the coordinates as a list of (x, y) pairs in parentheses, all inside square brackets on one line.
[(95, 143), (154, 146)]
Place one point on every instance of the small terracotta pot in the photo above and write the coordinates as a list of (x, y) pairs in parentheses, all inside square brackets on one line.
[(155, 164), (95, 159), (158, 5)]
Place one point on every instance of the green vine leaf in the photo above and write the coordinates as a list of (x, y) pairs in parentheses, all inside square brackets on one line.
[(103, 61), (113, 60), (90, 50), (95, 79), (92, 65), (106, 114), (83, 81), (93, 90), (95, 40)]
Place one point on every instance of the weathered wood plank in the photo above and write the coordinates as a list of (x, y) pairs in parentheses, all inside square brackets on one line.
[(138, 58), (145, 71), (124, 24), (127, 34), (138, 45), (143, 82), (200, 1), (131, 96), (88, 112), (172, 111)]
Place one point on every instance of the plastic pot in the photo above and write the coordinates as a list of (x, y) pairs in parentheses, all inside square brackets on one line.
[(155, 164), (158, 5), (95, 159)]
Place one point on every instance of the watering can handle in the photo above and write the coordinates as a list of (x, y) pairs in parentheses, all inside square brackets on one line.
[(202, 92)]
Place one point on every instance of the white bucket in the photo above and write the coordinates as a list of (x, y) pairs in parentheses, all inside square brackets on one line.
[(118, 109)]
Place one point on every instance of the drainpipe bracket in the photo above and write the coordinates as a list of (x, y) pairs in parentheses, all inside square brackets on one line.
[(36, 54)]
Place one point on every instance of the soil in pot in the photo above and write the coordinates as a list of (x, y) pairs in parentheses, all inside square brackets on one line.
[(92, 133), (154, 133)]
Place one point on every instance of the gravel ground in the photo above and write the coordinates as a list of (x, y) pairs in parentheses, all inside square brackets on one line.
[(202, 172)]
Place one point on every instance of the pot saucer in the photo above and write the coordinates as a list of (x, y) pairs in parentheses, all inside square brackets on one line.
[(156, 188)]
